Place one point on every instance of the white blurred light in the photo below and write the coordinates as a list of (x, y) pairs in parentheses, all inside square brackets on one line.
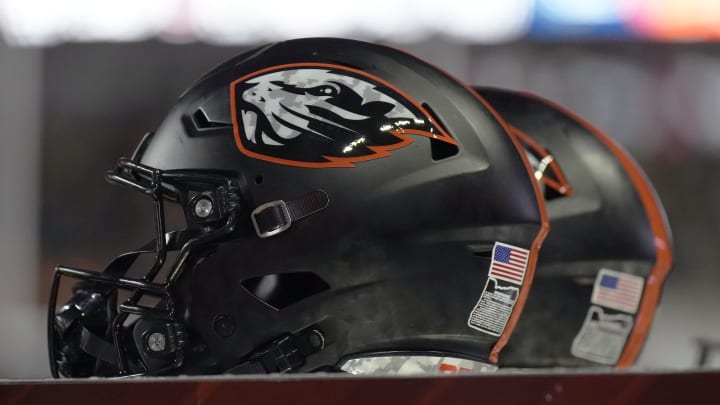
[(488, 21), (39, 22), (402, 21)]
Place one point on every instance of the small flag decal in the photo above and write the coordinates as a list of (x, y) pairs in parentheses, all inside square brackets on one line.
[(617, 290), (509, 263)]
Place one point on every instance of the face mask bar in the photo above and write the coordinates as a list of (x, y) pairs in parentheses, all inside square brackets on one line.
[(214, 203)]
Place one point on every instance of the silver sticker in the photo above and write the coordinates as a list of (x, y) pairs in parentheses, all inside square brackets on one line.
[(602, 336), (413, 365)]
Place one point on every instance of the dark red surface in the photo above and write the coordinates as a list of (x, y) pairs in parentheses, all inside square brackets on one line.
[(615, 388)]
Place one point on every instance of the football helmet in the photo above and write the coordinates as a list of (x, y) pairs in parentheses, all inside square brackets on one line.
[(343, 201), (603, 265)]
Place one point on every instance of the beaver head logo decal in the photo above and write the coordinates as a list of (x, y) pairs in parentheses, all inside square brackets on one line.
[(323, 115)]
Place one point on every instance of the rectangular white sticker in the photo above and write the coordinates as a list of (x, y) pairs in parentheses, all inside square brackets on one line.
[(492, 311), (617, 290)]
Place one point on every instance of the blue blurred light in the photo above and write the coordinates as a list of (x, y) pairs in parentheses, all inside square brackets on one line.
[(573, 19)]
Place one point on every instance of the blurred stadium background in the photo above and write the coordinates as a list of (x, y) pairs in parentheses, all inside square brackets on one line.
[(81, 81)]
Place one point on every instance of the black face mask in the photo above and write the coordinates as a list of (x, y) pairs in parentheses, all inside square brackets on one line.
[(87, 336)]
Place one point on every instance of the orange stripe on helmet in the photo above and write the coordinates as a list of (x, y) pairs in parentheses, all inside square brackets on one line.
[(537, 242), (539, 237)]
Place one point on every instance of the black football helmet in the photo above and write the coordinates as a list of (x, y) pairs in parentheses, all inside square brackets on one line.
[(343, 201), (602, 268)]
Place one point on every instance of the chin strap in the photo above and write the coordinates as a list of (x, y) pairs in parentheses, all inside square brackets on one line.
[(97, 347), (276, 216), (282, 355), (83, 306)]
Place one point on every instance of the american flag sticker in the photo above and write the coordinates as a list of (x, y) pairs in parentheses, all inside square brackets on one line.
[(617, 290), (509, 263)]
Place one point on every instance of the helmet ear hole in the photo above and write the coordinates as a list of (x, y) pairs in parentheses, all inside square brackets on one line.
[(284, 289)]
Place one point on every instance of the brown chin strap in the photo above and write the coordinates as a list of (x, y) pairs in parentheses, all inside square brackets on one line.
[(276, 216)]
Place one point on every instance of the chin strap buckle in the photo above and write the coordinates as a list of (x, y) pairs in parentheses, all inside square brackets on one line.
[(282, 355), (272, 218)]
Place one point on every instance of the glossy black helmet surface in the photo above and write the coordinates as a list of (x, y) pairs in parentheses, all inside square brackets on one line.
[(342, 200)]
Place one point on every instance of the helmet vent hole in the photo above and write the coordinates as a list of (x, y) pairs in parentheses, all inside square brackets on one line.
[(259, 179), (284, 289), (439, 150), (202, 121), (549, 175), (486, 253), (550, 194), (442, 150), (483, 250)]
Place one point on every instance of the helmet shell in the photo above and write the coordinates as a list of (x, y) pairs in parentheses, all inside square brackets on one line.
[(399, 258)]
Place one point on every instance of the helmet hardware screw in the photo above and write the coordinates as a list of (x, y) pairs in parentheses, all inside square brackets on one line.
[(224, 325), (156, 342), (316, 339), (203, 207)]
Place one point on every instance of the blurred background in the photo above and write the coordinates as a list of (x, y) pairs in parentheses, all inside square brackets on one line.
[(81, 81)]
